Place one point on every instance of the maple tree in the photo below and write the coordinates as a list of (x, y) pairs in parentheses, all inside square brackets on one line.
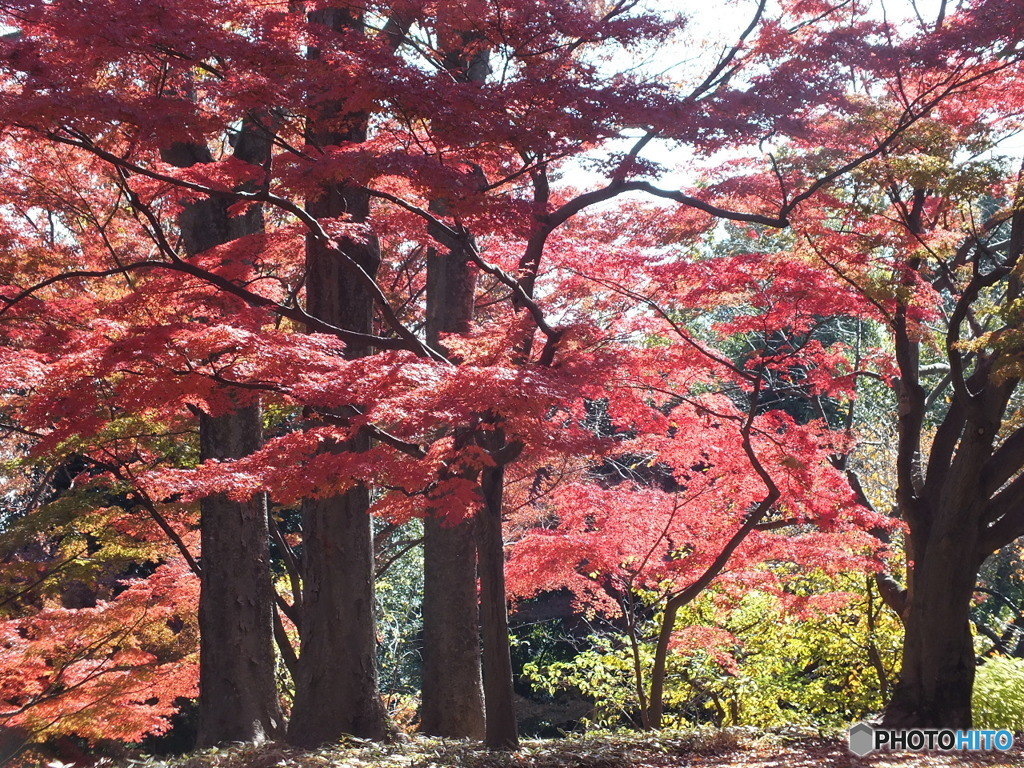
[(110, 671), (685, 509), (394, 164), (98, 641), (934, 243)]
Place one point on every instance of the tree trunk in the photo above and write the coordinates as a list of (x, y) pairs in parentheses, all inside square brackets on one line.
[(238, 698), (659, 671), (638, 674), (336, 689), (453, 702), (238, 692), (452, 693), (502, 729), (937, 674)]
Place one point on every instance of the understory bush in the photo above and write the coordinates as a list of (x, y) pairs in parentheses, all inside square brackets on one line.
[(751, 664), (999, 694)]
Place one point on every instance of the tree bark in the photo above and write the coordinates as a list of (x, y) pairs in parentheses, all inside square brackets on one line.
[(238, 699), (659, 671), (937, 672), (238, 692), (452, 692), (336, 689), (336, 686), (453, 702), (937, 675), (502, 730)]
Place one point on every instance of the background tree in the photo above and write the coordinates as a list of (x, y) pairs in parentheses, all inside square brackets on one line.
[(452, 695)]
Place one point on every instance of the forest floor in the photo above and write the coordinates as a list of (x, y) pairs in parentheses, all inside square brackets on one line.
[(740, 748)]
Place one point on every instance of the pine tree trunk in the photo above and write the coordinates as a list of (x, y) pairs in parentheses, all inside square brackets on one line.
[(452, 692)]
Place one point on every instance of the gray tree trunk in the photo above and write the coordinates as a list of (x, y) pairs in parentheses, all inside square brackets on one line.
[(937, 671), (336, 689), (502, 728), (452, 692), (238, 698)]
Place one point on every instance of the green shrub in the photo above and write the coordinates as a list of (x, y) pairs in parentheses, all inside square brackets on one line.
[(746, 662), (999, 694)]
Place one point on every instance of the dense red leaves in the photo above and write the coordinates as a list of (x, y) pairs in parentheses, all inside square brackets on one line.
[(112, 671), (603, 542)]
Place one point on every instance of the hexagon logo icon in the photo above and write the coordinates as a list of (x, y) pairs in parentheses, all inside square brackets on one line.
[(862, 739)]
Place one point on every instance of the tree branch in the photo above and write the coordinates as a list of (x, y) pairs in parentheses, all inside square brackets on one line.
[(1005, 510)]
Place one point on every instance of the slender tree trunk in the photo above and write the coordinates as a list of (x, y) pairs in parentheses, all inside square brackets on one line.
[(453, 702), (660, 668), (238, 698), (452, 693), (874, 654), (638, 671), (502, 728), (702, 582), (336, 689)]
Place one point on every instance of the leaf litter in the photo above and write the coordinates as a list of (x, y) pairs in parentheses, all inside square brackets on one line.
[(703, 748)]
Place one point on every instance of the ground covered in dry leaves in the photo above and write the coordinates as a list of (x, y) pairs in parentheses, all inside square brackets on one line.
[(732, 748)]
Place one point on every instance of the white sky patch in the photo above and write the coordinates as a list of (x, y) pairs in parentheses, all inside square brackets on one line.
[(712, 29)]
